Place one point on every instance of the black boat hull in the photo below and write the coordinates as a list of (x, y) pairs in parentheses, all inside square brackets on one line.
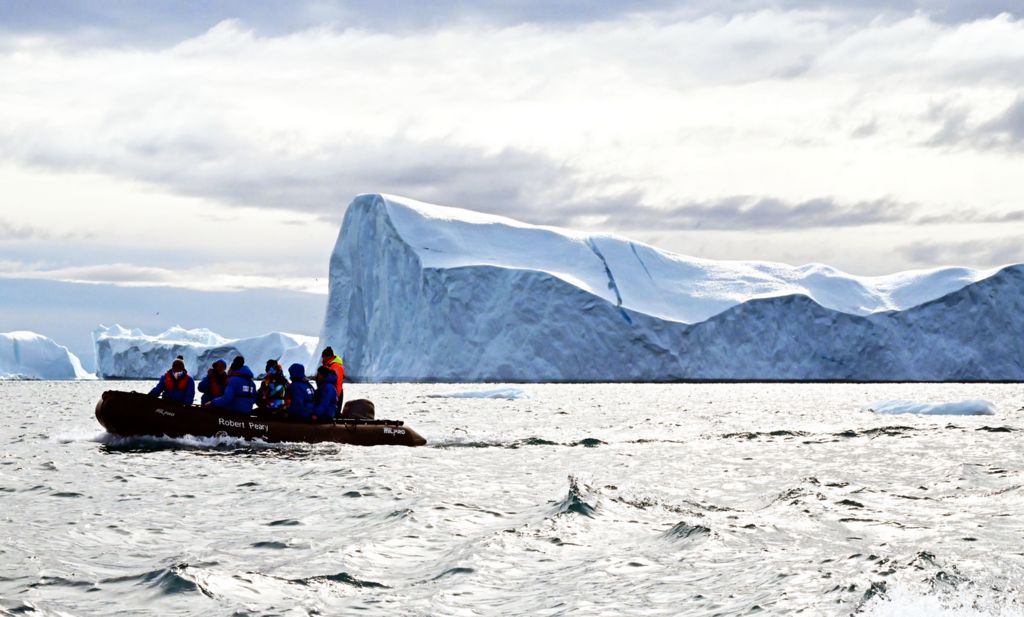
[(132, 414)]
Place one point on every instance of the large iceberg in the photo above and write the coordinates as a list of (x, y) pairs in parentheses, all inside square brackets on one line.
[(27, 355), (131, 354), (425, 292)]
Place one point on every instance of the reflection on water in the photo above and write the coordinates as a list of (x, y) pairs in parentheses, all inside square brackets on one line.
[(570, 499)]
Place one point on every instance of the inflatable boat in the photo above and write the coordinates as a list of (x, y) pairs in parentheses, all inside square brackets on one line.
[(131, 414)]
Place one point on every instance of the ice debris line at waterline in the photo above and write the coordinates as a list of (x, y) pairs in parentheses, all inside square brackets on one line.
[(425, 292)]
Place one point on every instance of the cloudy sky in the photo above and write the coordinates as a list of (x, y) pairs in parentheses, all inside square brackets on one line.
[(216, 146)]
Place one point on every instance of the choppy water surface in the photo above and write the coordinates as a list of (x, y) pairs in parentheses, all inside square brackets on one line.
[(633, 499)]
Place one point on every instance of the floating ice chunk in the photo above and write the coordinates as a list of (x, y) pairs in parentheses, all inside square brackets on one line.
[(509, 394), (27, 355), (975, 407)]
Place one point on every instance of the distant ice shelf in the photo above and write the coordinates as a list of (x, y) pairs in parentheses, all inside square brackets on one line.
[(131, 354), (28, 355), (421, 292)]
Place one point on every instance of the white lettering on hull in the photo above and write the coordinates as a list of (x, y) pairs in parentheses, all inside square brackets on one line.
[(230, 422), (252, 426)]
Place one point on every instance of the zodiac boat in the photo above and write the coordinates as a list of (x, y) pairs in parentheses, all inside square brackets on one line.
[(132, 414)]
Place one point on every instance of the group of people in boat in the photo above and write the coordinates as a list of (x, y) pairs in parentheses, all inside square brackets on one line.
[(233, 388)]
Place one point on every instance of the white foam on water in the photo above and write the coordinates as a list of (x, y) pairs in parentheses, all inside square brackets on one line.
[(907, 601), (974, 407), (80, 435), (188, 441)]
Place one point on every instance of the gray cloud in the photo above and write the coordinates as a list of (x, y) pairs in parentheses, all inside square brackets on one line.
[(1005, 131), (754, 212), (511, 181), (163, 22), (12, 232), (525, 185), (984, 253)]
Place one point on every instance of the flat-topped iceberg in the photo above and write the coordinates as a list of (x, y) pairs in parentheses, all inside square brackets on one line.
[(424, 292), (28, 355), (131, 354)]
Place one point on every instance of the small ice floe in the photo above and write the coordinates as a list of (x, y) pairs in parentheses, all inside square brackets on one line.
[(509, 394), (975, 407)]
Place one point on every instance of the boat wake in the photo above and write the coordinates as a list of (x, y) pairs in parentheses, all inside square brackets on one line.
[(150, 443)]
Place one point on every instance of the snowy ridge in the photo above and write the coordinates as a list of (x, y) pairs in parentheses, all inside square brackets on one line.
[(131, 354), (421, 293), (647, 280), (27, 355)]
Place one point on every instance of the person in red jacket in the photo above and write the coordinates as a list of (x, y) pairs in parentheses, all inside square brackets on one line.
[(333, 362)]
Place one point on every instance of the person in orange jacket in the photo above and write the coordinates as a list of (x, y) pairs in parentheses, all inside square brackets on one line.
[(335, 363)]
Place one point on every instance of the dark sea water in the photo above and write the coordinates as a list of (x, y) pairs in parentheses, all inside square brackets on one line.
[(577, 500)]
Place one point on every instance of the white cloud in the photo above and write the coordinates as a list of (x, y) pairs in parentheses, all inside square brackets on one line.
[(655, 110)]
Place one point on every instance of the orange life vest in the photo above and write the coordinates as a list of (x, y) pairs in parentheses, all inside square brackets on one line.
[(339, 369)]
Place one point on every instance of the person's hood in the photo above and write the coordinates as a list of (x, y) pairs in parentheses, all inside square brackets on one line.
[(297, 371), (331, 378), (243, 372)]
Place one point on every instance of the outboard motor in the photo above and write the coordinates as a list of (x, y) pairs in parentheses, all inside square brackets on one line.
[(359, 409)]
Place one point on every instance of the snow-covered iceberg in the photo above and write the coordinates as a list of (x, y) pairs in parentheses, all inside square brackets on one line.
[(131, 354), (424, 292), (27, 355)]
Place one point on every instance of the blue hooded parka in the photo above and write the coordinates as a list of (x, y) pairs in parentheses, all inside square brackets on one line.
[(300, 393), (180, 390), (209, 385), (325, 402), (240, 393)]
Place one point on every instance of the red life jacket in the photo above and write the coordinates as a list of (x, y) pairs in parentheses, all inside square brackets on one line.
[(180, 385), (217, 383)]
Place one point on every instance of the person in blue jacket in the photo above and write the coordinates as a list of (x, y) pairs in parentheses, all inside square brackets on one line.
[(176, 384), (325, 401), (300, 394), (215, 381), (240, 393)]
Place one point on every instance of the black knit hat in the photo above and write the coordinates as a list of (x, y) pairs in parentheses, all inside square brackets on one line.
[(237, 363), (328, 352)]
